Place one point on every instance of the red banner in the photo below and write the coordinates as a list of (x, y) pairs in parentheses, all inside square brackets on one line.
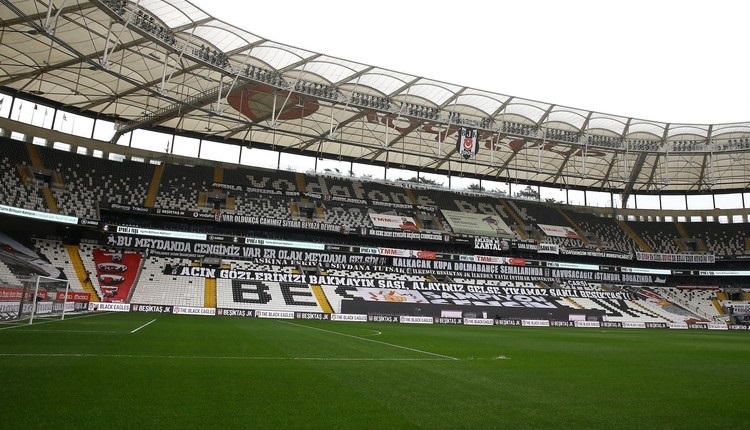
[(116, 273)]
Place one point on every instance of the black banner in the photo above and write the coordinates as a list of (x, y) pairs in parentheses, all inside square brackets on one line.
[(405, 234)]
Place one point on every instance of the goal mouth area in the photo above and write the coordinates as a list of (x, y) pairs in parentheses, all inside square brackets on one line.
[(42, 298)]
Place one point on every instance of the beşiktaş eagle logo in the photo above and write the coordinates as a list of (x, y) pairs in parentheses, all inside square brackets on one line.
[(467, 144)]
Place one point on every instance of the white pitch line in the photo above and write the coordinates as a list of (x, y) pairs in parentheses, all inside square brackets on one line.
[(207, 357), (144, 325), (447, 357)]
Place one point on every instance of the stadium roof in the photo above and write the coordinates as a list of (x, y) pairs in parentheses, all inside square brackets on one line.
[(169, 64)]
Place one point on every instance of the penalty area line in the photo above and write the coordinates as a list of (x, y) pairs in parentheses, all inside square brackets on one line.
[(445, 357), (74, 317), (144, 325)]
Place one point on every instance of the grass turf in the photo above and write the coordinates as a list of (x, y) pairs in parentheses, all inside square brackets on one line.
[(191, 372)]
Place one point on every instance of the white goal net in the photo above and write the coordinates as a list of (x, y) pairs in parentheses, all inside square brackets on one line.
[(40, 297)]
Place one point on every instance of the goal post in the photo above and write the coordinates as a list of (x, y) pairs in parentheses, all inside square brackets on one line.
[(47, 297)]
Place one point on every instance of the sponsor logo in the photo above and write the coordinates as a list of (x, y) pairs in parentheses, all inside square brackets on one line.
[(611, 324), (381, 318), (446, 320), (275, 314), (632, 324), (507, 322), (191, 310), (587, 324), (234, 312), (415, 320), (106, 306), (311, 316), (348, 317), (561, 323), (535, 323), (478, 321), (151, 308)]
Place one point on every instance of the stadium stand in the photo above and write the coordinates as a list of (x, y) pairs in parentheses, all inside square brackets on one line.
[(604, 233), (718, 239), (181, 186), (13, 192), (661, 237), (158, 288), (87, 181)]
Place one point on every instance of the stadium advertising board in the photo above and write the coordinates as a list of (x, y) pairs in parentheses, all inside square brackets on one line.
[(478, 321), (678, 326), (558, 231), (393, 221), (588, 324), (286, 315), (193, 310), (152, 309), (235, 312), (535, 323), (312, 316), (16, 294), (350, 317), (111, 307), (41, 216), (73, 296), (382, 318), (477, 224), (448, 320), (410, 319)]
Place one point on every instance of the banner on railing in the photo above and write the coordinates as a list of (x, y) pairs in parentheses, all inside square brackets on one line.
[(675, 258)]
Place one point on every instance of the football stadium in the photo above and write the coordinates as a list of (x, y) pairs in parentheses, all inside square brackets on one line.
[(204, 228)]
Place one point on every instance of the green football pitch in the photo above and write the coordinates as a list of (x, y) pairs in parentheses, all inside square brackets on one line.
[(158, 371)]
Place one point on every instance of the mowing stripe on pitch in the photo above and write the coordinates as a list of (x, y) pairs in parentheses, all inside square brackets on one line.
[(445, 357), (208, 357), (55, 320)]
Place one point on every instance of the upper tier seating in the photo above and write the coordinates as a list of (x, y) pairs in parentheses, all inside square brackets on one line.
[(720, 239), (604, 232), (181, 185), (89, 180), (12, 190), (659, 236)]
